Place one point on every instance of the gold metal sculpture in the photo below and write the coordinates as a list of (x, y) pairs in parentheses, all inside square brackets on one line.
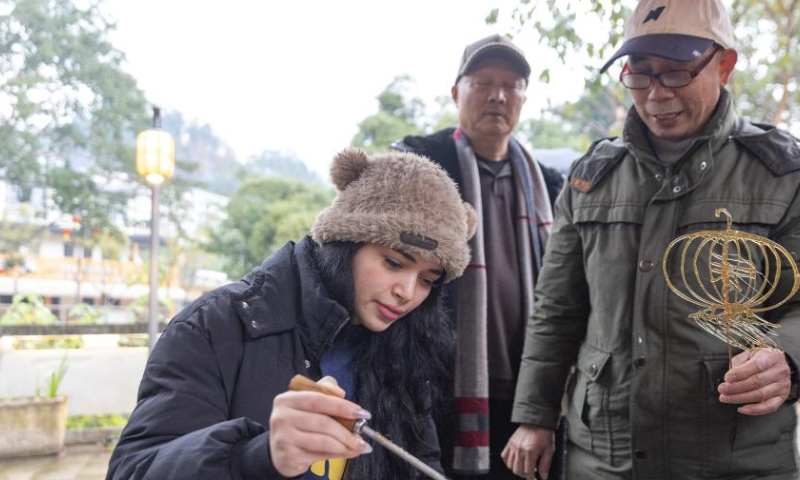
[(728, 284)]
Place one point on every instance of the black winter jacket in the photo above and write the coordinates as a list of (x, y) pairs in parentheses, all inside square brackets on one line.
[(206, 395), (441, 148)]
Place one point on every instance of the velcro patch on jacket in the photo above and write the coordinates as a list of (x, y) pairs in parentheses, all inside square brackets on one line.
[(777, 149), (600, 159)]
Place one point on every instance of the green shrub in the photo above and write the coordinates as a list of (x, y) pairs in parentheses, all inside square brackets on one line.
[(27, 309), (96, 421), (48, 342), (53, 380), (134, 340), (84, 314), (141, 308)]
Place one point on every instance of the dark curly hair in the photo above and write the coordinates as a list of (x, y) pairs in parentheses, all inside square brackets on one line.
[(400, 373)]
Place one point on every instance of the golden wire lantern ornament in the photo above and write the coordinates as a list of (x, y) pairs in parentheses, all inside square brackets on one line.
[(728, 285)]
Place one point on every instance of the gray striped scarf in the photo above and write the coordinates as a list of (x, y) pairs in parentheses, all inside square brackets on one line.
[(471, 453)]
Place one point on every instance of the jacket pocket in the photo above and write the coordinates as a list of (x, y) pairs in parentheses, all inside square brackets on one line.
[(736, 444), (608, 216), (718, 421), (590, 416), (609, 235), (757, 218)]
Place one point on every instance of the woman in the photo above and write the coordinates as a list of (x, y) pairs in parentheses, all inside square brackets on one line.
[(358, 302)]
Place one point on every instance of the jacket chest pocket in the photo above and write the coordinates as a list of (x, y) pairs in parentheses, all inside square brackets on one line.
[(610, 236), (758, 218)]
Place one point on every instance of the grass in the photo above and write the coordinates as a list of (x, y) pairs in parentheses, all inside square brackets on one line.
[(75, 422)]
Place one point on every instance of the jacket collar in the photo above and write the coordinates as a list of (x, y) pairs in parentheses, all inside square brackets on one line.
[(285, 292), (715, 132), (322, 317)]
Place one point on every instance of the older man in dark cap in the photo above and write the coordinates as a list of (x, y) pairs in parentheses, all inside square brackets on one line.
[(653, 395), (513, 195)]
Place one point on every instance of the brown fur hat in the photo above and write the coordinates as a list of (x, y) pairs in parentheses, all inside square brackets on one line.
[(400, 200)]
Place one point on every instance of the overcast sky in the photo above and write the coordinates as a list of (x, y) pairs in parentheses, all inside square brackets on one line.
[(300, 75)]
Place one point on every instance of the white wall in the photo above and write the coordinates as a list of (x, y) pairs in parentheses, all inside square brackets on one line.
[(51, 248)]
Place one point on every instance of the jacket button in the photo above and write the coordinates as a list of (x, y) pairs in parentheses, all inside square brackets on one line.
[(703, 165), (254, 324), (245, 305), (593, 369), (640, 454), (639, 362), (677, 189), (645, 265), (307, 364)]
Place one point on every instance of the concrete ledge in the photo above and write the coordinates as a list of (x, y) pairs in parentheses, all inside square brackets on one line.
[(104, 435), (110, 328)]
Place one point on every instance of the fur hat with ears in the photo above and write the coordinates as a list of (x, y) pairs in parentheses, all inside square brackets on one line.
[(402, 201)]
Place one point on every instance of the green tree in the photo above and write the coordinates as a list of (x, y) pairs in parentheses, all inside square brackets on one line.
[(66, 90), (72, 113), (262, 215), (765, 82), (446, 114), (550, 132), (397, 116)]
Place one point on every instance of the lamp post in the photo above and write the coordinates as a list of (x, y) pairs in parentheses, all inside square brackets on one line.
[(155, 161)]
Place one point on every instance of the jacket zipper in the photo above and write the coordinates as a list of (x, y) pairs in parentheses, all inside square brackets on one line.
[(336, 334)]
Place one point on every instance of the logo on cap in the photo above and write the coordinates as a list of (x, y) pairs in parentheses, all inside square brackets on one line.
[(654, 14)]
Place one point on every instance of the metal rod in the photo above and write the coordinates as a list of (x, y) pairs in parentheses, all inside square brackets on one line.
[(152, 321), (392, 447)]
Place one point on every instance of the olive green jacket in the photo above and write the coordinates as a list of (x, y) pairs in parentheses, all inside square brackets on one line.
[(646, 377)]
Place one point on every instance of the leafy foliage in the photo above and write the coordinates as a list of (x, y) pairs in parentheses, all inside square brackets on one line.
[(552, 133), (75, 422), (70, 115), (765, 83), (140, 308), (263, 214), (55, 378), (83, 314), (27, 309), (397, 117), (67, 92), (48, 342)]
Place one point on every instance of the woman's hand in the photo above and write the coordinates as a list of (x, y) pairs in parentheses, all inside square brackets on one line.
[(302, 430)]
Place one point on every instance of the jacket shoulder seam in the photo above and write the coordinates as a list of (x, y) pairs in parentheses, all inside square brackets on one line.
[(588, 171)]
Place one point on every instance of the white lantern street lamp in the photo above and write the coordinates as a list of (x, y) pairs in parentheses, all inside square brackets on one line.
[(155, 161)]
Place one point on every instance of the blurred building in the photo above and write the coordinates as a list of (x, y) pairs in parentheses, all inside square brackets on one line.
[(45, 254)]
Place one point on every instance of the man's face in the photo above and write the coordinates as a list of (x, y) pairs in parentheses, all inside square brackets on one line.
[(489, 99), (680, 113)]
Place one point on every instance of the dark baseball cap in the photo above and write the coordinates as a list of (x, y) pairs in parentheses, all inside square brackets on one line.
[(493, 46)]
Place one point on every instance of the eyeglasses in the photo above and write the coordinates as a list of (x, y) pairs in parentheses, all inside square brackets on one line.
[(670, 79)]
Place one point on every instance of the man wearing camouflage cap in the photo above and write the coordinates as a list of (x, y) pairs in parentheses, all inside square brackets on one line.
[(653, 396)]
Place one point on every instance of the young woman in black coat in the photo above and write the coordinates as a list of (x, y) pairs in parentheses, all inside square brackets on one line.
[(356, 306)]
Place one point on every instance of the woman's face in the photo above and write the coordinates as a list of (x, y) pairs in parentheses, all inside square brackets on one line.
[(389, 284)]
